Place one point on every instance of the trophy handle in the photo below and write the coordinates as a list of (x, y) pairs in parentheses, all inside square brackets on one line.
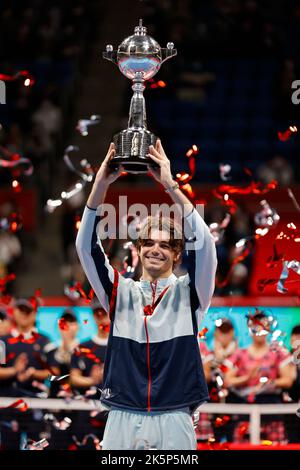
[(110, 54), (168, 52)]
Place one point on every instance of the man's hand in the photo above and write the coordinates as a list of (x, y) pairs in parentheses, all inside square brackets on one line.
[(107, 175), (162, 174), (104, 178), (20, 363), (26, 375)]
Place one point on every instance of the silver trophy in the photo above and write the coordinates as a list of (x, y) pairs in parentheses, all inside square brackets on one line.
[(139, 58)]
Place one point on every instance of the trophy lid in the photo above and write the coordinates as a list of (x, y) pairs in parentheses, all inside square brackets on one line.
[(139, 54)]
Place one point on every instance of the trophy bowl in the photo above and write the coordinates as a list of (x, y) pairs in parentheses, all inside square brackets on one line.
[(138, 57)]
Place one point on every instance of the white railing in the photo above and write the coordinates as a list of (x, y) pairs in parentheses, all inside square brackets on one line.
[(254, 411)]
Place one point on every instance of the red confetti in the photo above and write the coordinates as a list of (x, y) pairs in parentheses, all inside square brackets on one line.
[(79, 289), (28, 79), (159, 84), (16, 186), (238, 259), (20, 405), (276, 258), (291, 233), (63, 325), (284, 136), (203, 332), (105, 328), (36, 299), (88, 353), (221, 421), (5, 280), (17, 164), (243, 429)]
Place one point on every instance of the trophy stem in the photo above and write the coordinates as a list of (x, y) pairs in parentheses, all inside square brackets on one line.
[(137, 111)]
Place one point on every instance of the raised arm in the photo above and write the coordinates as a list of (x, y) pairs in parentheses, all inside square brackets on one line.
[(99, 272), (202, 257)]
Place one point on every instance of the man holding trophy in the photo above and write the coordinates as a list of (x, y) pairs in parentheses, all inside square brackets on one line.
[(153, 375)]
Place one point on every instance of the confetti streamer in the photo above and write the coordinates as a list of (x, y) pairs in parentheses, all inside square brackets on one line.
[(292, 196), (16, 163), (86, 176), (84, 124), (60, 425), (294, 265), (36, 445), (226, 201), (284, 136), (76, 292), (71, 293), (223, 191), (28, 79), (267, 217), (130, 261), (184, 178), (20, 405), (252, 188), (217, 229), (89, 172), (225, 170)]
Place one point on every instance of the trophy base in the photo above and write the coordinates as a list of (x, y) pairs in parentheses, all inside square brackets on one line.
[(132, 146)]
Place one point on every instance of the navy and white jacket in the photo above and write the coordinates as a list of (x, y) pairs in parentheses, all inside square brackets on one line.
[(153, 362)]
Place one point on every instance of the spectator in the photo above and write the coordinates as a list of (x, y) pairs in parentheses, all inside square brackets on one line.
[(258, 374), (60, 356), (292, 421), (87, 372), (24, 372)]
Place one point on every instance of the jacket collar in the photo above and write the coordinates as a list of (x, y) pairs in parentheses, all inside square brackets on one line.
[(100, 341), (161, 283), (15, 333)]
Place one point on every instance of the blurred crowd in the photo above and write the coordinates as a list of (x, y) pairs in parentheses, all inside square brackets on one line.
[(264, 372), (32, 366)]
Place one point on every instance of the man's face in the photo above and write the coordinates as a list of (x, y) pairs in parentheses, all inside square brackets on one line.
[(23, 318), (156, 254), (70, 332), (102, 320), (224, 337)]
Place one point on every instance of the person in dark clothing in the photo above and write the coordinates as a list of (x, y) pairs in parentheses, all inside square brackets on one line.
[(87, 366), (23, 374)]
